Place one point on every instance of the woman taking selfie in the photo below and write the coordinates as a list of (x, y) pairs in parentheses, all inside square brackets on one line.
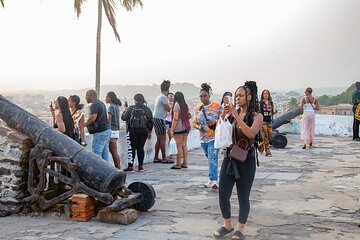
[(62, 119), (246, 125)]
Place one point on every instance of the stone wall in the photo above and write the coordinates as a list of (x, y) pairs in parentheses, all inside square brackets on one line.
[(14, 155)]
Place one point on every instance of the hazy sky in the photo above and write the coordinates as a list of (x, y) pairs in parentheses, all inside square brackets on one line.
[(281, 44)]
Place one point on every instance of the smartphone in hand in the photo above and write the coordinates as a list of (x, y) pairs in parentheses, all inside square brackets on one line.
[(229, 100)]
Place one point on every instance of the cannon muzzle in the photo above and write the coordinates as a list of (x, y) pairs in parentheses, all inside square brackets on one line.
[(286, 117)]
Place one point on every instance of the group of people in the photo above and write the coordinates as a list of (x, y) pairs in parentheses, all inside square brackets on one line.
[(104, 124), (251, 121)]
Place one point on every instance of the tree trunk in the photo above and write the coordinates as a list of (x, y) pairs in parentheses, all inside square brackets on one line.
[(98, 48)]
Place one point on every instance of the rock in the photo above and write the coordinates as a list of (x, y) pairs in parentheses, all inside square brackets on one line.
[(123, 217), (4, 213)]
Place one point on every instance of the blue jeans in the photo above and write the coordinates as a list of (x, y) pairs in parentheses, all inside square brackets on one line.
[(212, 154), (100, 144)]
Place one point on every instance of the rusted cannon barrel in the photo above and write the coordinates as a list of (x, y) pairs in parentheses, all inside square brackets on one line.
[(93, 170), (286, 118)]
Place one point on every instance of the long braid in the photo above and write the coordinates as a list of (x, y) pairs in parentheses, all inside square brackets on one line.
[(252, 107)]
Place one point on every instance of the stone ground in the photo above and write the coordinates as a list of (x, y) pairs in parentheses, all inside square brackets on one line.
[(297, 194)]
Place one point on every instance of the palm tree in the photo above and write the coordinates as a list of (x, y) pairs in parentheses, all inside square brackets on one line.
[(109, 8)]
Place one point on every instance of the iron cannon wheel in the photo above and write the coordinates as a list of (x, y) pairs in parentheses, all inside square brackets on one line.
[(148, 193), (279, 141)]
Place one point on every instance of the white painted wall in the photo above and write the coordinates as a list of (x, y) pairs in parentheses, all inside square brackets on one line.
[(327, 125)]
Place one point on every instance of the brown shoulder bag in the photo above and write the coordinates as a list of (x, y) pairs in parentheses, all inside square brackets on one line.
[(239, 154)]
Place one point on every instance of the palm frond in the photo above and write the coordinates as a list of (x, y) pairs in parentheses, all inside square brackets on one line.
[(77, 6), (109, 6), (2, 2), (130, 4)]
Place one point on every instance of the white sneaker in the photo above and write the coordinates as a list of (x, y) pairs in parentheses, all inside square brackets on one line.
[(208, 184), (215, 185)]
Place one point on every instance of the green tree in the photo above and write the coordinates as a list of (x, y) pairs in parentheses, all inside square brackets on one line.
[(293, 103), (109, 8), (324, 100), (344, 97)]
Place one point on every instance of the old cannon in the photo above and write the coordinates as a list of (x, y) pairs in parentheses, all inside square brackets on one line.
[(279, 140), (82, 170)]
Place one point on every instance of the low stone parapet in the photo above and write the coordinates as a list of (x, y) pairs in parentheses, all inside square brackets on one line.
[(14, 156)]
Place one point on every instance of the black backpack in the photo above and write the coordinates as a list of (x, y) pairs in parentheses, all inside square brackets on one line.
[(138, 119)]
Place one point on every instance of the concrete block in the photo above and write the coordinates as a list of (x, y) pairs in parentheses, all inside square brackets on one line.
[(123, 217)]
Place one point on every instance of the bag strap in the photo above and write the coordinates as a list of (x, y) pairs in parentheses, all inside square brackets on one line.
[(237, 142), (204, 113), (310, 103)]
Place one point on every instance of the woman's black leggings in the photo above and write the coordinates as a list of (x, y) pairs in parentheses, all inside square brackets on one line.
[(243, 187), (137, 144)]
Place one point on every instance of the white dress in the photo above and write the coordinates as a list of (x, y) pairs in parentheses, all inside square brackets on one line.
[(308, 123)]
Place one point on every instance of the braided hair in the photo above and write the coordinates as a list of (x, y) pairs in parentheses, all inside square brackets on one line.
[(250, 88), (206, 88)]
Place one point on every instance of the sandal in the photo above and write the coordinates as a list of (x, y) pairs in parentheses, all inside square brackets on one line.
[(167, 161), (222, 232), (184, 166), (238, 235), (175, 167), (156, 161)]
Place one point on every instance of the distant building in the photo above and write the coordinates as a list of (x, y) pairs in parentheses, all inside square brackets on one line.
[(340, 109)]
